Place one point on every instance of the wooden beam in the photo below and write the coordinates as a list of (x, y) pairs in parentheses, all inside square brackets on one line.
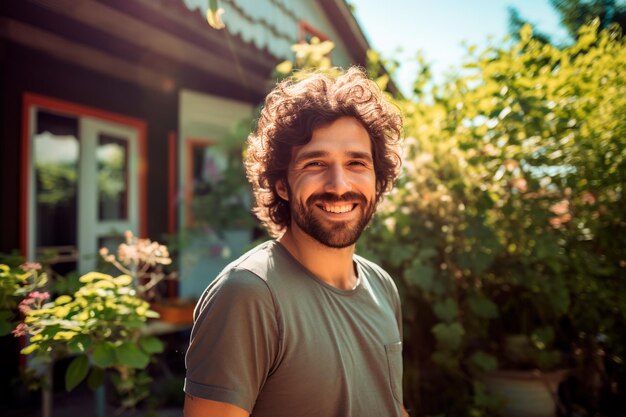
[(83, 56)]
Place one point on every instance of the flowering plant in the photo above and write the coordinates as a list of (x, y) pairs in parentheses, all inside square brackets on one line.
[(135, 257), (102, 325), (15, 284)]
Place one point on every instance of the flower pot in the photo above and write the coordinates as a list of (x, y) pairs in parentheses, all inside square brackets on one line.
[(175, 312), (526, 393)]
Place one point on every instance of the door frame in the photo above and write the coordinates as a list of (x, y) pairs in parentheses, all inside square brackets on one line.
[(32, 102)]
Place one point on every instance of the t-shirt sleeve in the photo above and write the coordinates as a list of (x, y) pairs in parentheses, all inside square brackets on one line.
[(234, 340)]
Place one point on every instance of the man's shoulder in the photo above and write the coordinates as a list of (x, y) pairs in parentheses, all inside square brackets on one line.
[(372, 267), (243, 279), (375, 272), (257, 261)]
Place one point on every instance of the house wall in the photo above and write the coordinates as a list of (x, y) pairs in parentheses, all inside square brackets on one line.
[(207, 120), (29, 71)]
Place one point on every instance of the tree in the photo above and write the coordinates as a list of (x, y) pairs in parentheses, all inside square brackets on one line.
[(576, 13)]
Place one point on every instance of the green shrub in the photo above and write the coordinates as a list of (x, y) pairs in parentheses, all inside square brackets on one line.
[(510, 219)]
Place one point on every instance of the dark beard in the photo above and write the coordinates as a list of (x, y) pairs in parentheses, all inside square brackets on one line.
[(340, 235)]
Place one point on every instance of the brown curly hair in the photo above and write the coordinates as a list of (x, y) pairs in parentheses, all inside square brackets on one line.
[(298, 106)]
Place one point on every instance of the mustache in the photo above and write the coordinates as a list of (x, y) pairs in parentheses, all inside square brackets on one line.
[(334, 198)]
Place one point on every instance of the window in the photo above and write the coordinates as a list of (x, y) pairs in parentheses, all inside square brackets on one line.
[(84, 182), (205, 168)]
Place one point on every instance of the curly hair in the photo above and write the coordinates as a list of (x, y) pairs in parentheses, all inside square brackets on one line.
[(297, 107)]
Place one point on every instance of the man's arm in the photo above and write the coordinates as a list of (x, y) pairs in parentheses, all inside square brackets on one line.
[(199, 407)]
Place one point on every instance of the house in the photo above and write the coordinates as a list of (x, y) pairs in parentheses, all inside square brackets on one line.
[(111, 112)]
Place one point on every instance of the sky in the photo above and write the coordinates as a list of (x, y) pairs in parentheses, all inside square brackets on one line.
[(439, 27)]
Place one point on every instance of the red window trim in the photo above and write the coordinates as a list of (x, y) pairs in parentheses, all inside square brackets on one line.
[(172, 140), (49, 103), (304, 27)]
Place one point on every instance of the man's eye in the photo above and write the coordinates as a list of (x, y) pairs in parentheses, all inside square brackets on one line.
[(313, 164), (358, 163)]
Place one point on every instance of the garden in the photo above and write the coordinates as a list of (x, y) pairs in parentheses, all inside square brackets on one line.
[(506, 231)]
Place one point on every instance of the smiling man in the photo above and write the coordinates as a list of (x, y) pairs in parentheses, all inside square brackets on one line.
[(301, 325)]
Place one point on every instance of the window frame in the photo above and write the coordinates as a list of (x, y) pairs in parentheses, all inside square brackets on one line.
[(31, 103)]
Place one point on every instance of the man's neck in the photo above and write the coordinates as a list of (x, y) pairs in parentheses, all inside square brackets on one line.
[(333, 266)]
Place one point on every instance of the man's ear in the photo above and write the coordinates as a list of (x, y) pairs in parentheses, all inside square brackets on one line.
[(281, 190)]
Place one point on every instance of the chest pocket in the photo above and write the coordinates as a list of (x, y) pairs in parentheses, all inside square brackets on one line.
[(394, 361)]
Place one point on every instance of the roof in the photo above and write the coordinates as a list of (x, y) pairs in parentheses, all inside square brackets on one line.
[(274, 25)]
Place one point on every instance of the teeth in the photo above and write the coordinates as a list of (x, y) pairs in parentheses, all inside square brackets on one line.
[(338, 209)]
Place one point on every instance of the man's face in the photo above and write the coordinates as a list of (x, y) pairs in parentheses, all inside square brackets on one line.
[(332, 184)]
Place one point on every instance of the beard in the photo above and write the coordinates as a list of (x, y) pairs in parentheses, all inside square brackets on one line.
[(339, 234)]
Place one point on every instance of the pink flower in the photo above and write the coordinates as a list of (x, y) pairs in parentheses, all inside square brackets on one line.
[(510, 164), (588, 198), (36, 295), (30, 266), (20, 330), (489, 150), (560, 208), (557, 222), (25, 305), (520, 184)]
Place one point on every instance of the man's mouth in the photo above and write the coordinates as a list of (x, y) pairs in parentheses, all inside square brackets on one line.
[(337, 208)]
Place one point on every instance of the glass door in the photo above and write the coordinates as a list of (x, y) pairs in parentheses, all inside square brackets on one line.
[(54, 186), (108, 197)]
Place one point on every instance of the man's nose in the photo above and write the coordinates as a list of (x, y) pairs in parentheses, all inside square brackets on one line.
[(337, 181)]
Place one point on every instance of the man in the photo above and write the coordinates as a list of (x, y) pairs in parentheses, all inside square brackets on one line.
[(301, 326)]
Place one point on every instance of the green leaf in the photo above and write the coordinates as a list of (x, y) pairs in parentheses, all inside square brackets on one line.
[(130, 355), (151, 344), (448, 335), (284, 67), (214, 15), (446, 310), (62, 299), (104, 355), (5, 328), (446, 360), (79, 344), (427, 253), (476, 260), (483, 307), (400, 254), (135, 323), (96, 378), (542, 337), (151, 314), (484, 361), (420, 275), (76, 372), (30, 349)]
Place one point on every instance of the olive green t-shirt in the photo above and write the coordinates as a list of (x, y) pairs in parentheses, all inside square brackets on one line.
[(273, 339)]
